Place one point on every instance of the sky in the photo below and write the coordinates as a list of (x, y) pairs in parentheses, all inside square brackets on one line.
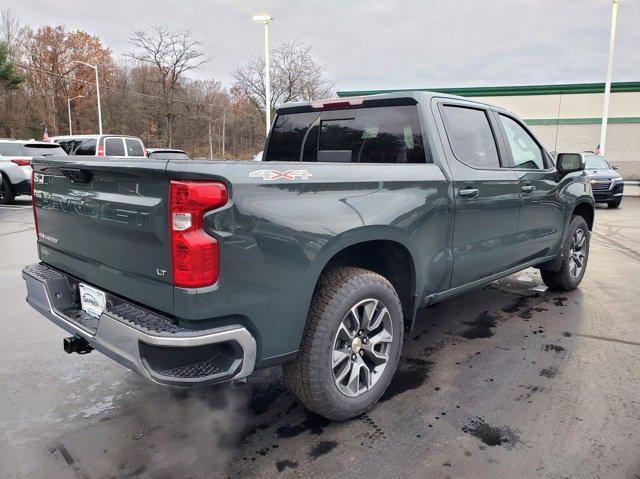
[(383, 44)]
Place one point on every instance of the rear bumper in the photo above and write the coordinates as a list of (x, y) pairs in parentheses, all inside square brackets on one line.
[(143, 341)]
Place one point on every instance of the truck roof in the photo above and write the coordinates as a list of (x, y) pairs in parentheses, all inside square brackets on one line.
[(64, 137), (411, 97)]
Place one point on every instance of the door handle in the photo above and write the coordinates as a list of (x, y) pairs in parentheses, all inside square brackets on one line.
[(469, 192), (528, 189)]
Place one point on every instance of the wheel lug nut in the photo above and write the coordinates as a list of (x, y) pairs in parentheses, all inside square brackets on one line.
[(353, 357), (360, 333), (361, 352), (365, 340)]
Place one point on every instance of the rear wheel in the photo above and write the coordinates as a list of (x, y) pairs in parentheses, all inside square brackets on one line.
[(6, 194), (615, 203), (575, 253), (351, 345)]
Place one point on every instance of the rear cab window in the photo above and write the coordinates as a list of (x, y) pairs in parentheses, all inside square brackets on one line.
[(388, 134)]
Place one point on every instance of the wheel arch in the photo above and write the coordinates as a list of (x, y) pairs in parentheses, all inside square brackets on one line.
[(586, 210), (385, 254)]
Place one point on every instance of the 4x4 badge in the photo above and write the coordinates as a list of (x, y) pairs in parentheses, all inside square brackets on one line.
[(270, 175)]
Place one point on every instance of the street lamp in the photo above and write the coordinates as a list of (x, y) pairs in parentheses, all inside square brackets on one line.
[(69, 109), (607, 85), (265, 18), (97, 91)]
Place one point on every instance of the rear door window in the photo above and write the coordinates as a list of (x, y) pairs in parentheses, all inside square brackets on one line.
[(389, 134), (471, 137), (134, 147), (113, 147)]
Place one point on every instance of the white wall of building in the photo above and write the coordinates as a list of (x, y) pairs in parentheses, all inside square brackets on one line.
[(576, 105)]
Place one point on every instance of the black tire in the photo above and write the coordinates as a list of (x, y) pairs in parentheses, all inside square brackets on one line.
[(614, 203), (311, 376), (6, 193), (565, 279)]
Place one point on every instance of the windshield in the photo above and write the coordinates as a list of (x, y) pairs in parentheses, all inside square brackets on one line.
[(44, 150), (168, 155), (11, 149), (596, 162)]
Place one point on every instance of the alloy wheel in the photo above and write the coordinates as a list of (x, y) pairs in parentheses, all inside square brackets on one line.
[(577, 253), (361, 347)]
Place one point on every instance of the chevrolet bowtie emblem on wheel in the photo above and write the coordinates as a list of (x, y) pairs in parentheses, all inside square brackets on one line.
[(270, 175)]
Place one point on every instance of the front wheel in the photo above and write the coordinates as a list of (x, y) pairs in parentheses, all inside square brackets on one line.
[(575, 253), (351, 344)]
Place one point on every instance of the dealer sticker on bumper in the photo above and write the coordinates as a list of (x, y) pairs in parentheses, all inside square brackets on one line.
[(92, 300)]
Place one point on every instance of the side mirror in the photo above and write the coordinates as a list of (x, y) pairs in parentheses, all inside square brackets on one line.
[(570, 162)]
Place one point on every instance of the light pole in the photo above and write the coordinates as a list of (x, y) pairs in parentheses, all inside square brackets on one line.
[(69, 109), (265, 18), (95, 67), (607, 85), (224, 132)]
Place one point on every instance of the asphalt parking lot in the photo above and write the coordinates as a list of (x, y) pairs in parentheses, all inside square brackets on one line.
[(511, 380)]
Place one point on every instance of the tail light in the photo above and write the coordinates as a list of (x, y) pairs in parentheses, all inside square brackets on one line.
[(194, 253), (21, 161), (101, 150), (33, 201)]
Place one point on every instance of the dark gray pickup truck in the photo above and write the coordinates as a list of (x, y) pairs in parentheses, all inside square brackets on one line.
[(363, 210)]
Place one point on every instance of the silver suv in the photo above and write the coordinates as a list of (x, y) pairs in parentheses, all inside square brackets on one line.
[(15, 165)]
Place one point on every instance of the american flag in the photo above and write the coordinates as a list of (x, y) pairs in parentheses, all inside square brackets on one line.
[(45, 136)]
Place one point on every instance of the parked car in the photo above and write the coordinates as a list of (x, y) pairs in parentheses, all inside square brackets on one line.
[(119, 146), (166, 154), (606, 182), (362, 211), (15, 165)]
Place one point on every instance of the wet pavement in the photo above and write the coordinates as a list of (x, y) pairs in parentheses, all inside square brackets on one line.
[(511, 380)]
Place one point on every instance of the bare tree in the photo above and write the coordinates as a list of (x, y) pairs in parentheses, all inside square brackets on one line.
[(295, 76), (172, 53), (11, 31)]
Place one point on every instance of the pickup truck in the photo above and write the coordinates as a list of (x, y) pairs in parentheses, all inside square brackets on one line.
[(363, 210)]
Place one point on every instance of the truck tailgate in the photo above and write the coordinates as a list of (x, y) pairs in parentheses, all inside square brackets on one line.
[(106, 221)]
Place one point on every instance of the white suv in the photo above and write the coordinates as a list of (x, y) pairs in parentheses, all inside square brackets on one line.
[(15, 165), (118, 146)]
